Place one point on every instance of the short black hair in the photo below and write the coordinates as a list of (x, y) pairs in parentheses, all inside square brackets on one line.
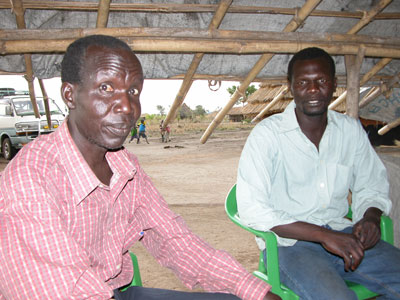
[(71, 65), (311, 53)]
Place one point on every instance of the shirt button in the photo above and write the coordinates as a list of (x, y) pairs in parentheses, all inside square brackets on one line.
[(322, 185), (109, 232), (118, 267)]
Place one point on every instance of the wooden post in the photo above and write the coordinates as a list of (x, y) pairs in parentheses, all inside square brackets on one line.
[(378, 91), (102, 13), (188, 80), (19, 15), (279, 96), (389, 126), (46, 102), (295, 23), (375, 69), (353, 65), (368, 17)]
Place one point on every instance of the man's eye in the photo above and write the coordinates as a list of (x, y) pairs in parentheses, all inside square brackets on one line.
[(106, 87), (301, 82), (322, 80), (134, 92)]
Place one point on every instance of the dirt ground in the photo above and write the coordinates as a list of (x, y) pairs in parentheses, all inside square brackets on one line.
[(194, 179)]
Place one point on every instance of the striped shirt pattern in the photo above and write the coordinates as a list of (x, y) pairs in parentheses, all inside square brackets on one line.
[(64, 235)]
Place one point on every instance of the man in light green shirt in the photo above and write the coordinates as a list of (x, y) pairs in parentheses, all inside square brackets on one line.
[(294, 175)]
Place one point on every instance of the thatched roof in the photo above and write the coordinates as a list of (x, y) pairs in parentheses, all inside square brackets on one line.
[(240, 40)]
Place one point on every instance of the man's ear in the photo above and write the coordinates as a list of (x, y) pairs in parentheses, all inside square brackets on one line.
[(67, 93)]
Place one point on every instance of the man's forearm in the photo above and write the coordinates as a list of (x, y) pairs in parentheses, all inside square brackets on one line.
[(301, 231)]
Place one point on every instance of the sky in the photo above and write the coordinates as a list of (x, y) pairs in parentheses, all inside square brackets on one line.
[(155, 92)]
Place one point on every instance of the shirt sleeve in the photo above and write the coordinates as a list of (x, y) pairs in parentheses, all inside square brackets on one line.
[(370, 185), (257, 166), (38, 259), (170, 241)]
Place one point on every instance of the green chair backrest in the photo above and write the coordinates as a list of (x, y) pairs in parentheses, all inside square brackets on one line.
[(271, 273), (137, 279)]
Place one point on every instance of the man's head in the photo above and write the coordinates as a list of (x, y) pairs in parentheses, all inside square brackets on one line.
[(101, 83), (311, 76), (311, 53)]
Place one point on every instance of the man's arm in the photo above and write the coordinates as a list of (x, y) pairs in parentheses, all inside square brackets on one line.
[(347, 246), (170, 241)]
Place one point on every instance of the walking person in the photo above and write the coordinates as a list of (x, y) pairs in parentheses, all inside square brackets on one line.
[(142, 132), (134, 134)]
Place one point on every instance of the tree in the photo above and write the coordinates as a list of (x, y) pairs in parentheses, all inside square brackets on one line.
[(161, 109), (199, 111), (250, 90)]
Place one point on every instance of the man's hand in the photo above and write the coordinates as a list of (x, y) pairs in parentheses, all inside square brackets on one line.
[(368, 229), (344, 245), (271, 296)]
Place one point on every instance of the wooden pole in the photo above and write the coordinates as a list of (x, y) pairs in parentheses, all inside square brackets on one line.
[(283, 91), (353, 65), (19, 15), (46, 103), (375, 69), (187, 8), (368, 17), (102, 13), (188, 80), (303, 13), (389, 126), (378, 91)]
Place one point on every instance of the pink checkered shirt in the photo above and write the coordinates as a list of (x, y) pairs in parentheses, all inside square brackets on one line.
[(64, 235)]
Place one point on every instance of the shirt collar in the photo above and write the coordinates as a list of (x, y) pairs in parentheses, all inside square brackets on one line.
[(81, 177), (289, 121)]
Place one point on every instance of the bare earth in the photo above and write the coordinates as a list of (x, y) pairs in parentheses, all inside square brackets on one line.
[(195, 180)]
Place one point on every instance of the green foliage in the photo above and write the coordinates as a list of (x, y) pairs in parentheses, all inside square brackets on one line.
[(199, 111), (161, 109), (250, 90)]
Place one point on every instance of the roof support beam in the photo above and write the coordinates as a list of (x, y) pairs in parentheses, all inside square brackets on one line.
[(353, 66), (188, 80), (102, 13), (375, 69), (283, 91), (368, 17), (303, 13), (186, 8), (389, 126), (378, 91), (18, 9)]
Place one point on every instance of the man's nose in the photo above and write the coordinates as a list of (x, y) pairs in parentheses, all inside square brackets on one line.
[(313, 86), (124, 105)]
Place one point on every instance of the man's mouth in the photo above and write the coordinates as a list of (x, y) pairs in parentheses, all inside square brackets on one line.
[(119, 129)]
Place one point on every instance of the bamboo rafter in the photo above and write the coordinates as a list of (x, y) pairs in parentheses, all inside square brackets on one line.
[(187, 8)]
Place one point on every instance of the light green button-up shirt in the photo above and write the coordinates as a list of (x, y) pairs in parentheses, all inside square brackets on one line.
[(283, 178)]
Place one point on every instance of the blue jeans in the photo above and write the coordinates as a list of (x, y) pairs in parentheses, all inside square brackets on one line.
[(142, 293), (314, 273)]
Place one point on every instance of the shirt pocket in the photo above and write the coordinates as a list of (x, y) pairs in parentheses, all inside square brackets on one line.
[(339, 178)]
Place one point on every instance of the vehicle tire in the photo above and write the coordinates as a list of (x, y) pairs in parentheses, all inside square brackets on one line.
[(8, 151)]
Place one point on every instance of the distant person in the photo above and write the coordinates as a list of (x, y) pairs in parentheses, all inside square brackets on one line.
[(142, 131), (73, 202), (134, 134), (294, 176), (165, 132)]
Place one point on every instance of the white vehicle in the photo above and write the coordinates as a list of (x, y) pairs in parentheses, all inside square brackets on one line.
[(18, 124)]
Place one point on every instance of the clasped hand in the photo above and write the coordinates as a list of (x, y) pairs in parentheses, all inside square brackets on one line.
[(366, 233)]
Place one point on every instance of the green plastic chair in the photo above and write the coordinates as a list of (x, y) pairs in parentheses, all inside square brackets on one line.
[(271, 273), (137, 280)]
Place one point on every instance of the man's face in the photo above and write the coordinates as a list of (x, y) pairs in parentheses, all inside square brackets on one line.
[(106, 102), (312, 86)]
